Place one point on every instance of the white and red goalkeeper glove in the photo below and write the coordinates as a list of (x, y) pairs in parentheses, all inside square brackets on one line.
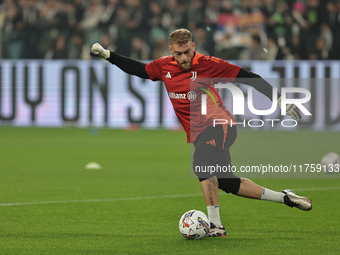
[(291, 110), (98, 51)]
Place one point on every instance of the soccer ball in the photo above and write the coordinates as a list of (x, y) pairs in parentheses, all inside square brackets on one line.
[(331, 162), (194, 224)]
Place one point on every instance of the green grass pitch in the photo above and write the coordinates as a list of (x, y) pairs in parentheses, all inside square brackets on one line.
[(49, 204)]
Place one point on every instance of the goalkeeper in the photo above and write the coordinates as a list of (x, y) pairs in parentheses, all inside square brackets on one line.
[(212, 143)]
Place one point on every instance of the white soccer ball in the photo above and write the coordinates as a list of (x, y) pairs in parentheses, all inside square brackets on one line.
[(331, 162), (194, 224)]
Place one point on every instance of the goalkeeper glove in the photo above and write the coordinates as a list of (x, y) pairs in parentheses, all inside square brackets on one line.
[(98, 51), (291, 110)]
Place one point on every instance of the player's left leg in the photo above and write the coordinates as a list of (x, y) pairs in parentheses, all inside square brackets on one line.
[(250, 189)]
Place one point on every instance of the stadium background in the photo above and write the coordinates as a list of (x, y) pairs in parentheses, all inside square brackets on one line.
[(60, 110), (230, 29), (71, 91)]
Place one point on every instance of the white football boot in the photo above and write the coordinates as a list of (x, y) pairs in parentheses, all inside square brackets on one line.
[(293, 200), (215, 231)]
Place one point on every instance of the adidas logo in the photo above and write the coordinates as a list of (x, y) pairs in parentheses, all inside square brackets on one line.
[(168, 75), (212, 142)]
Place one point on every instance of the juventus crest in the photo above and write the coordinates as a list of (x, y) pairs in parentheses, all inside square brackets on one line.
[(194, 76)]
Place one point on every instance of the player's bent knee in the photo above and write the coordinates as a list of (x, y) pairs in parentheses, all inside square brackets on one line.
[(203, 179), (229, 185)]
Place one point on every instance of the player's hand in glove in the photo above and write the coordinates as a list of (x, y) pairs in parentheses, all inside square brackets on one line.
[(98, 51), (291, 110)]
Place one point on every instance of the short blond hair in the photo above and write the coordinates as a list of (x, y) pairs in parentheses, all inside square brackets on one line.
[(180, 36)]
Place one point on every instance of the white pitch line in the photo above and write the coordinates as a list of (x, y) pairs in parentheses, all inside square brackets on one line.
[(317, 189), (101, 200), (140, 198)]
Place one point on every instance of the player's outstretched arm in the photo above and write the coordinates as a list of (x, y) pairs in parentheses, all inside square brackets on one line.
[(265, 88), (256, 81), (128, 65)]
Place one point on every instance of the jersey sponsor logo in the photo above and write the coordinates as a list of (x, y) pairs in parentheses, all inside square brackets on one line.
[(168, 75), (191, 95), (174, 95), (194, 76)]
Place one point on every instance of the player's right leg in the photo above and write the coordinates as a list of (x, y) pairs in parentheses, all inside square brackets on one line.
[(210, 152), (210, 192)]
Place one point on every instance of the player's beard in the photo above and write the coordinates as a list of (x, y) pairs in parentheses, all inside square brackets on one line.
[(185, 65)]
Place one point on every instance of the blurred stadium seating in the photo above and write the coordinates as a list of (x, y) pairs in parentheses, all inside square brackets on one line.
[(230, 29)]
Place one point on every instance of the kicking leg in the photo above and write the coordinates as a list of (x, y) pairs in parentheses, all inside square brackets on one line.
[(250, 189)]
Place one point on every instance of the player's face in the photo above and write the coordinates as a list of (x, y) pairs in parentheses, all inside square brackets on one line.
[(183, 54)]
